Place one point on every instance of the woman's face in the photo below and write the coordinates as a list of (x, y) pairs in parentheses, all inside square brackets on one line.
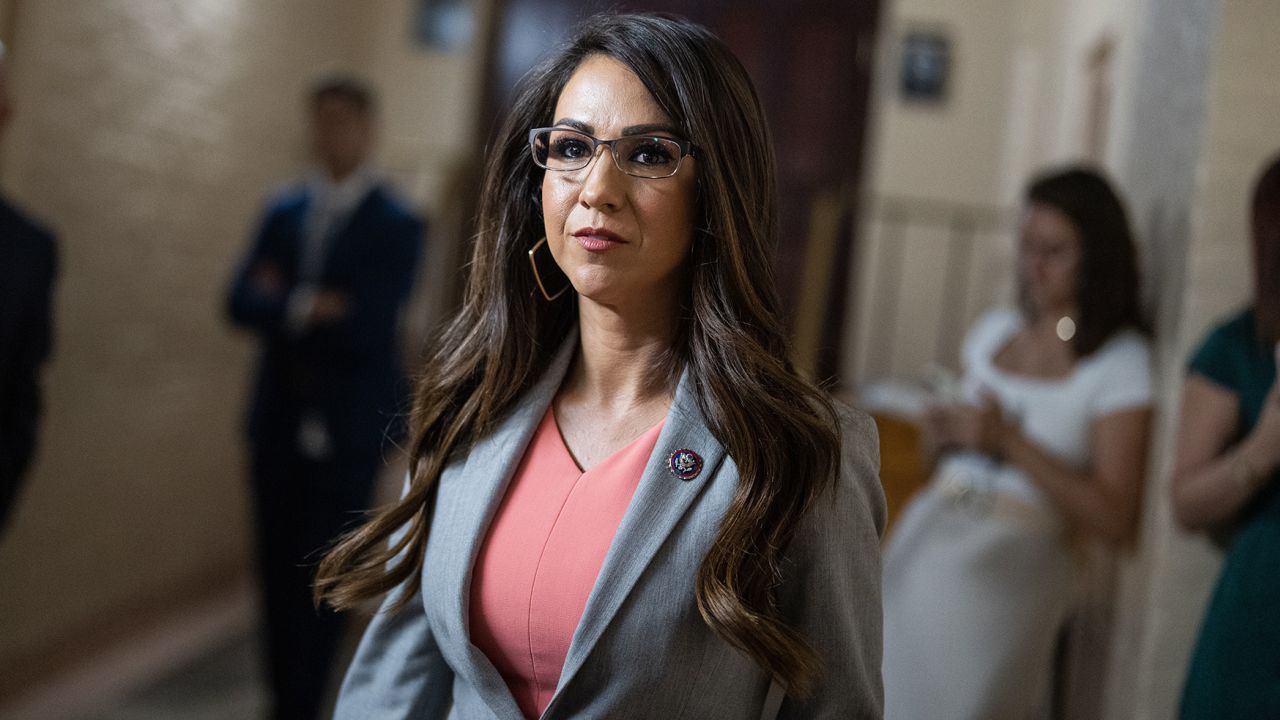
[(1049, 259), (621, 240)]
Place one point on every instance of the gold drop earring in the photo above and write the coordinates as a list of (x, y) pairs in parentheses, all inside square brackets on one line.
[(537, 275)]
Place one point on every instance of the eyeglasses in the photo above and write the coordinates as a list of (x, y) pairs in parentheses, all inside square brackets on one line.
[(645, 156)]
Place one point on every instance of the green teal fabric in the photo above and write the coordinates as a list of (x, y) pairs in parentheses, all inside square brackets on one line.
[(1235, 669)]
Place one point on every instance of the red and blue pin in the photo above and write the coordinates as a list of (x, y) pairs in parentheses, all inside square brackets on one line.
[(684, 464)]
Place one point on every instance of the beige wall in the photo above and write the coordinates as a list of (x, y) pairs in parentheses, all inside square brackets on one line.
[(1050, 105), (431, 136), (147, 135), (951, 153)]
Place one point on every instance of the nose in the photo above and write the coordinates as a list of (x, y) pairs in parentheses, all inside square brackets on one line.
[(604, 186)]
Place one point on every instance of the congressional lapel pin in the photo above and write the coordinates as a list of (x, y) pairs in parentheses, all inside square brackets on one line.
[(684, 464)]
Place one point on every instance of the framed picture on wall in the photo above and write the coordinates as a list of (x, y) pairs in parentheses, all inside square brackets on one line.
[(926, 65), (444, 24)]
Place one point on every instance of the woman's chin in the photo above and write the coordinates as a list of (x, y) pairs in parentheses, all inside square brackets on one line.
[(598, 294), (616, 288), (599, 287)]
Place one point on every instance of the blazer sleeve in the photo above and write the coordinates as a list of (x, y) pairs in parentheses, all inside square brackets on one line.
[(833, 593), (397, 672), (248, 305)]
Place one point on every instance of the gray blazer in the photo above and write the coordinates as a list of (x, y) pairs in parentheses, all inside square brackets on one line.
[(641, 650)]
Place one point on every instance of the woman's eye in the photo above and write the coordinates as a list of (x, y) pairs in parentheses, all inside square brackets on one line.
[(570, 148), (651, 153)]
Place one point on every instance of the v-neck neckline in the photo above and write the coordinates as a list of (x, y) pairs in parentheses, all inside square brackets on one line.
[(573, 459)]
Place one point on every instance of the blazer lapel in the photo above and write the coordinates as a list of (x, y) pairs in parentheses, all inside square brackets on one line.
[(660, 501), (466, 507)]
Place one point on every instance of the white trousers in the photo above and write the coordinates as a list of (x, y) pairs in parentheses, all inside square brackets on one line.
[(976, 591)]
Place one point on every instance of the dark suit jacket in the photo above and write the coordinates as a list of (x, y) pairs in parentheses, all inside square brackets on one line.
[(28, 263), (347, 371)]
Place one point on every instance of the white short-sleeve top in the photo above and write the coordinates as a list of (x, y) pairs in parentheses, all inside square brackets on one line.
[(1054, 413)]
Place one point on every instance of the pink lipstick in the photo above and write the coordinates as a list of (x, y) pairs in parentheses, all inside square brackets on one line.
[(597, 239)]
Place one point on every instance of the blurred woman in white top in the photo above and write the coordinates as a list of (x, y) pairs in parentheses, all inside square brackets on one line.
[(1045, 452)]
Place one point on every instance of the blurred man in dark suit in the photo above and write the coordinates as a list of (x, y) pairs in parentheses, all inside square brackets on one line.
[(322, 287), (28, 263)]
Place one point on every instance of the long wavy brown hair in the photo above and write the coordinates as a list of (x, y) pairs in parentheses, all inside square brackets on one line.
[(780, 430)]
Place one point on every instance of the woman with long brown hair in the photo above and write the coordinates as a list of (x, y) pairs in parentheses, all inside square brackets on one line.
[(623, 501), (1225, 483)]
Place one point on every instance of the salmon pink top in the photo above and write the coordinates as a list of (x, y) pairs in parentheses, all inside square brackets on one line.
[(541, 557)]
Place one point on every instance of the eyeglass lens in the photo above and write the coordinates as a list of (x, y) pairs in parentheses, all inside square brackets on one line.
[(642, 156)]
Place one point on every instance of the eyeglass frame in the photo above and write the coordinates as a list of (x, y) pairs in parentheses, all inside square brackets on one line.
[(687, 149)]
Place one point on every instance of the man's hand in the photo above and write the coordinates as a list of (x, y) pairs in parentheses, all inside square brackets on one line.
[(329, 306)]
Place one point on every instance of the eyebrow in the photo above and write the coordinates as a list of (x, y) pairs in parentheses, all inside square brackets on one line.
[(646, 129)]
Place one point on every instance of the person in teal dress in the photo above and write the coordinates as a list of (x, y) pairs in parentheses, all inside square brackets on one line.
[(1227, 483)]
